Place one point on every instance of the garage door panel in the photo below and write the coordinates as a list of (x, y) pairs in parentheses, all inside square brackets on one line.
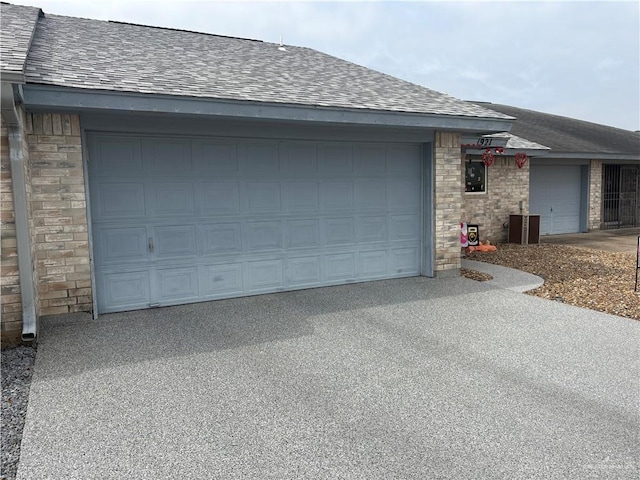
[(221, 238), (336, 196), (369, 161), (117, 154), (372, 264), (221, 280), (170, 198), (173, 241), (335, 160), (402, 160), (372, 229), (219, 197), (302, 234), (405, 227), (118, 245), (339, 231), (299, 159), (370, 194), (167, 156), (259, 158), (304, 271), (405, 261), (264, 275), (301, 196), (177, 284), (215, 157), (120, 200), (262, 197), (248, 217), (340, 267), (262, 236), (128, 290), (404, 194)]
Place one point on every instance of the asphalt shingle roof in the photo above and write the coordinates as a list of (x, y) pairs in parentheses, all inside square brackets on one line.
[(17, 25), (94, 54), (568, 135)]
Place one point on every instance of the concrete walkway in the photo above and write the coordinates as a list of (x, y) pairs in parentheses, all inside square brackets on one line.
[(620, 240), (414, 378), (503, 277)]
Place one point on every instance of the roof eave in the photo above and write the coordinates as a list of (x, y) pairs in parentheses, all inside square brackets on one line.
[(11, 76), (49, 97)]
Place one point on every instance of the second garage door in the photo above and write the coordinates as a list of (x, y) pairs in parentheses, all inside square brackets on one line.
[(180, 220), (554, 194)]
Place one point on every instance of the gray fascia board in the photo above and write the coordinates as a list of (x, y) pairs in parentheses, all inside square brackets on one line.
[(510, 152), (594, 156), (45, 97), (11, 76)]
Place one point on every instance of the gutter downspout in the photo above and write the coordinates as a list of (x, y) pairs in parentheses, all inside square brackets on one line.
[(21, 217)]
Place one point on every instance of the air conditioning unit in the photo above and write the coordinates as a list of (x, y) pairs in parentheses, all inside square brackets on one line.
[(524, 229)]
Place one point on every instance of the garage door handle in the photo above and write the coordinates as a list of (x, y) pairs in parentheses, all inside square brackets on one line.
[(150, 244)]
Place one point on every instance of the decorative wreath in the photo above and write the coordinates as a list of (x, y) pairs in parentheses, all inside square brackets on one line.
[(521, 159), (488, 157)]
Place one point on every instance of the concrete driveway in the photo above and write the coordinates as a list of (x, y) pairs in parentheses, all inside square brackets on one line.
[(408, 379), (618, 240)]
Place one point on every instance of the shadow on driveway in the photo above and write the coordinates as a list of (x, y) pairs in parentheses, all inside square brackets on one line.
[(411, 378)]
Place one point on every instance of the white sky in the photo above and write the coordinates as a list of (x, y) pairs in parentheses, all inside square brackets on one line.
[(578, 59)]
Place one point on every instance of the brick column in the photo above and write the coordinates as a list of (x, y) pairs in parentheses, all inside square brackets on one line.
[(595, 195), (448, 202), (59, 213)]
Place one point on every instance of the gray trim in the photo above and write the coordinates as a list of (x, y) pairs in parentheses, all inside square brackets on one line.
[(85, 167), (594, 156), (428, 206), (73, 99), (20, 208), (11, 76), (510, 152), (584, 197), (248, 128), (548, 162)]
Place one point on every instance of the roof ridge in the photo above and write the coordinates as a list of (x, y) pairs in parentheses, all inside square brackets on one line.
[(182, 30)]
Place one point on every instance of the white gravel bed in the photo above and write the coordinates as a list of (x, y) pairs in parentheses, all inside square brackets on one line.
[(17, 368)]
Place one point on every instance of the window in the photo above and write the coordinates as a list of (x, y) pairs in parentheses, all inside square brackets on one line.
[(475, 178)]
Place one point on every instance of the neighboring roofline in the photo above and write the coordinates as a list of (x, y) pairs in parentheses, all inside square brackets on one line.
[(38, 96), (594, 156)]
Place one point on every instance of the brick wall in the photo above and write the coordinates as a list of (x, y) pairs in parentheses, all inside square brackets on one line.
[(507, 185), (448, 201), (58, 208), (595, 195)]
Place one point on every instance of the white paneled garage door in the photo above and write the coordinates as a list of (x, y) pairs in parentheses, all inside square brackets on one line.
[(554, 194), (179, 220)]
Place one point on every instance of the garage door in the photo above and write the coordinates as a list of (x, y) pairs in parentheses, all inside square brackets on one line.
[(180, 220), (554, 193)]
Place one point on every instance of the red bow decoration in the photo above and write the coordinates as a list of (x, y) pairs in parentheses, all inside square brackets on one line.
[(488, 158), (521, 159)]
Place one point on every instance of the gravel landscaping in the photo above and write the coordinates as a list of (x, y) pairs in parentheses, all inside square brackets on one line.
[(17, 368), (594, 279)]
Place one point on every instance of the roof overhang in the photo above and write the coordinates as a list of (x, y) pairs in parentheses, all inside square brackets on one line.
[(510, 152), (55, 98)]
